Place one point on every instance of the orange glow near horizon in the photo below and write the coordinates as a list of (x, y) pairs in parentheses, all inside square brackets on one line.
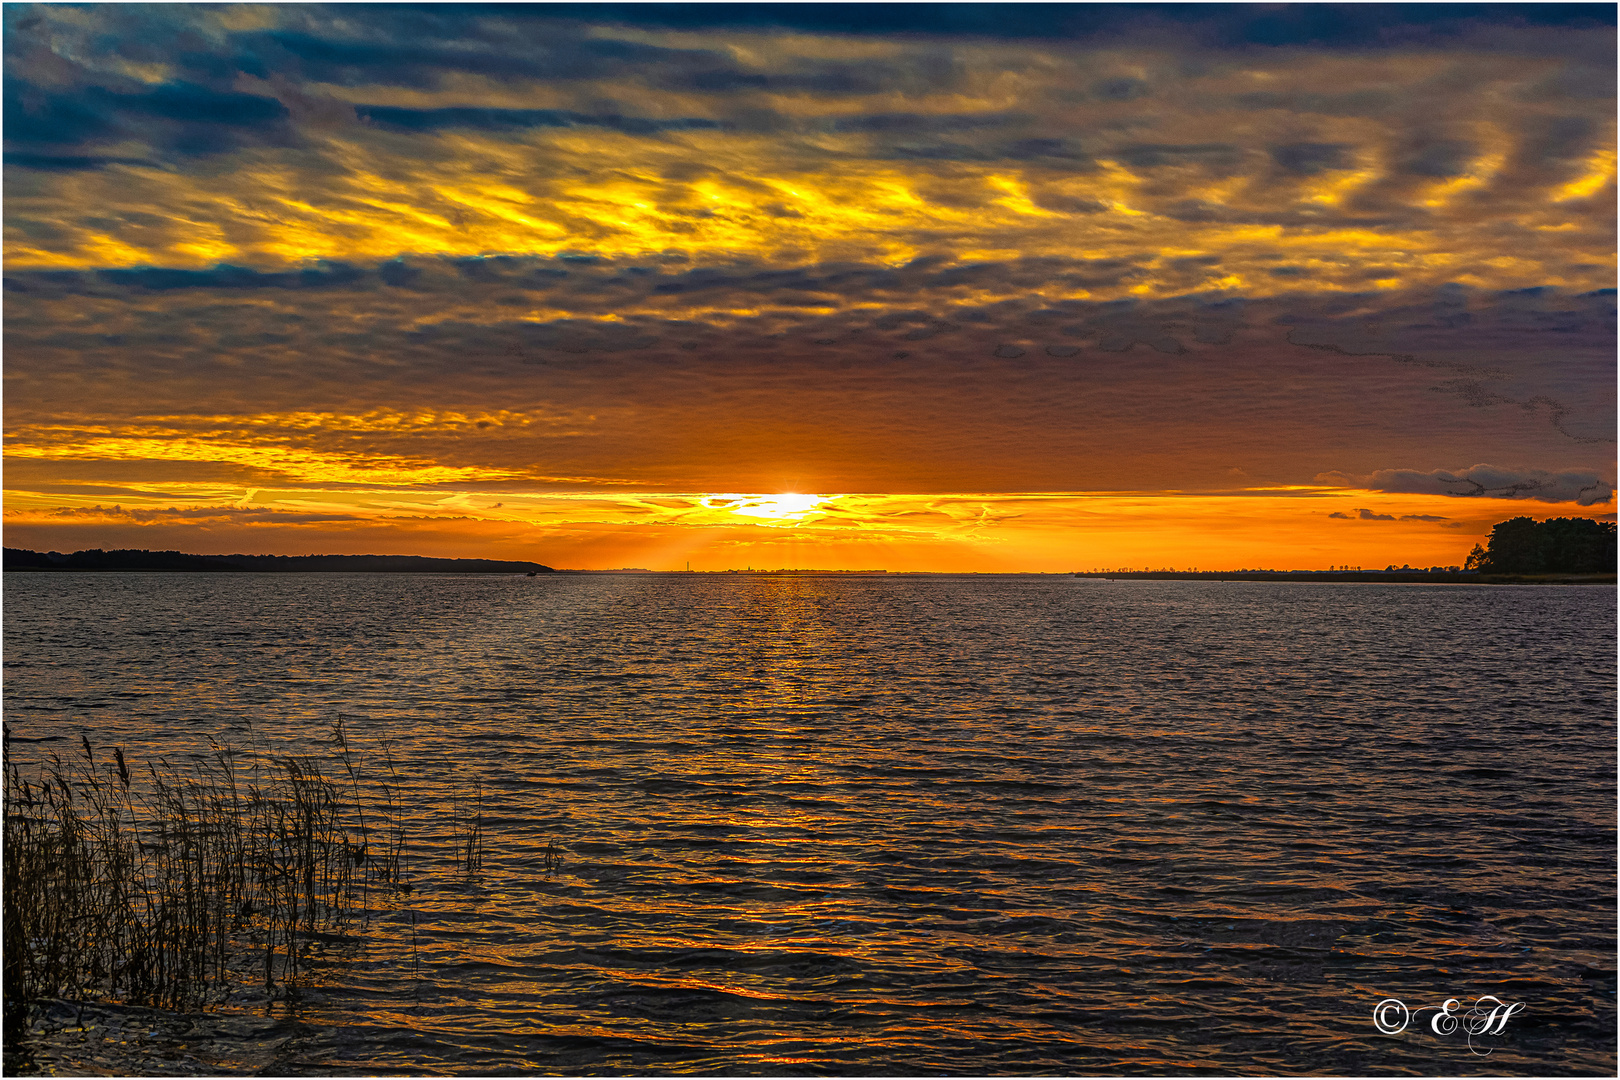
[(1304, 529)]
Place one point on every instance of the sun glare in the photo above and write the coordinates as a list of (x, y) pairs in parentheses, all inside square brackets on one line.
[(788, 506)]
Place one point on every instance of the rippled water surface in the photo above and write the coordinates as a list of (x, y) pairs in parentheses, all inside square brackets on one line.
[(906, 825)]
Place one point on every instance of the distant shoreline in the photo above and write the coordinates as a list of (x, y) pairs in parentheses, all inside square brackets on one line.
[(1402, 577), (95, 562)]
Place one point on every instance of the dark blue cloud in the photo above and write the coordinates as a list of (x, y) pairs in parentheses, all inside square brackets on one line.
[(939, 151), (160, 279), (69, 163), (399, 56), (1439, 158), (481, 119), (398, 273), (1347, 26), (196, 105), (35, 116), (1557, 140), (920, 123), (1307, 158), (348, 62), (837, 81), (1366, 103), (1121, 89), (1155, 155), (1064, 150), (184, 118)]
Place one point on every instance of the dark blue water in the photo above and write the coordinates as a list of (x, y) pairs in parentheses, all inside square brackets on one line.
[(902, 825)]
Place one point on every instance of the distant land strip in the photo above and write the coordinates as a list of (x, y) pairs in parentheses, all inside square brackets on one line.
[(1411, 577), (140, 559)]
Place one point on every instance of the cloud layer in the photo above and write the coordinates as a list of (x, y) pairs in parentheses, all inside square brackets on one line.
[(937, 375), (277, 135), (1490, 482)]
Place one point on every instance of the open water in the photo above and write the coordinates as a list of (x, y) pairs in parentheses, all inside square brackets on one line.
[(905, 825)]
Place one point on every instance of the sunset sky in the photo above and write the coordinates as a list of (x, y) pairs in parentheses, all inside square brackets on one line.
[(916, 287)]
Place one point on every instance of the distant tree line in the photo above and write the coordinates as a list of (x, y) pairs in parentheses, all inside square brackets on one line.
[(1557, 546), (141, 559)]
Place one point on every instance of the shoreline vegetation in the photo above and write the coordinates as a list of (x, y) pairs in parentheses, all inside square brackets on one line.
[(170, 886)]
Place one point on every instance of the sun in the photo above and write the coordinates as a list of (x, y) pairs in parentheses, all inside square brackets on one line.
[(788, 506)]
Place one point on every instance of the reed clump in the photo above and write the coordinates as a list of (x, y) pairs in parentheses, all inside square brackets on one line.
[(467, 826), (174, 885)]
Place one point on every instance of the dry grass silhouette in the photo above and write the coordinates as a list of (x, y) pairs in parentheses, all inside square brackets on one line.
[(152, 885)]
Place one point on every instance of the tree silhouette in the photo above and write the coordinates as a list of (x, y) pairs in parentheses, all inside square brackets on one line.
[(1522, 545)]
